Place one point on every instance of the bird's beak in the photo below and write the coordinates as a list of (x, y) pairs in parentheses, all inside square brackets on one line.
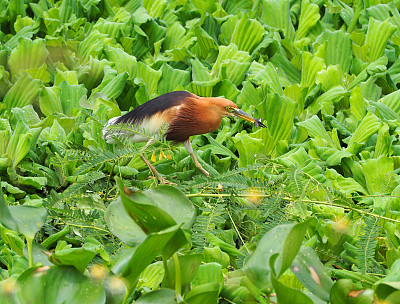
[(245, 116)]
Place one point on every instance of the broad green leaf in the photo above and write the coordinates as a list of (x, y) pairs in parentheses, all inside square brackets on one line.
[(285, 239), (316, 129), (202, 80), (165, 296), (330, 78), (259, 74), (379, 175), (70, 96), (25, 91), (312, 273), (247, 34), (232, 62), (172, 79), (334, 41), (388, 288), (59, 285), (29, 54), (311, 65), (130, 265), (276, 14), (79, 257), (204, 44), (123, 61), (368, 126), (149, 77), (158, 208), (215, 254), (152, 276), (308, 18), (346, 184), (378, 35), (285, 294), (209, 273), (344, 291), (121, 225), (205, 293), (278, 113), (358, 105), (188, 265)]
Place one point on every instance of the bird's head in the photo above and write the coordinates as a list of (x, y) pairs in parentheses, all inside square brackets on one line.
[(232, 110)]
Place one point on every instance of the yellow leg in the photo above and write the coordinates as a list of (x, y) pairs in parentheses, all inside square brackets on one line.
[(188, 147), (152, 169)]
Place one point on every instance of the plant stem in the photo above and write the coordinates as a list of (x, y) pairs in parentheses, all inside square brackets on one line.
[(166, 272), (29, 242), (326, 203), (90, 227), (178, 281), (108, 182)]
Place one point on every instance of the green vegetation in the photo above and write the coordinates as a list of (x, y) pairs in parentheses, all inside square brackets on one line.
[(304, 211)]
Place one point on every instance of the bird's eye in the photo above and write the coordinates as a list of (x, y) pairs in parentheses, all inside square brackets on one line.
[(230, 109)]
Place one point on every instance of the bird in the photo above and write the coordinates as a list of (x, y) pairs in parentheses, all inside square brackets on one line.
[(185, 114)]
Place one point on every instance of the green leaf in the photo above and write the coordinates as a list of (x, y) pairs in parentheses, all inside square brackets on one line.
[(333, 41), (25, 91), (310, 66), (23, 219), (247, 34), (130, 265), (276, 14), (344, 291), (27, 55), (284, 239), (59, 285), (79, 257), (70, 96), (378, 35), (121, 224), (172, 79), (311, 272), (379, 175), (206, 293), (368, 126), (158, 208), (165, 296), (124, 63), (285, 294), (308, 18), (316, 129)]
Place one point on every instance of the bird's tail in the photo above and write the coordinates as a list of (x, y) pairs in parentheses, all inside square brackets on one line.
[(109, 134)]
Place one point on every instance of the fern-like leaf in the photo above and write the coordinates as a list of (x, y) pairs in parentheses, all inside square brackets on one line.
[(367, 244)]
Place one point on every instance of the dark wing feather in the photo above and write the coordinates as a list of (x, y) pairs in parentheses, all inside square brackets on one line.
[(153, 106)]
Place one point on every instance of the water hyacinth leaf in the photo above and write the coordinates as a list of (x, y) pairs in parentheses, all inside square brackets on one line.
[(162, 295), (204, 43), (92, 45), (285, 294), (311, 272), (345, 291), (115, 87), (278, 113), (131, 265), (27, 55), (161, 207), (25, 91), (121, 225), (378, 35), (59, 285), (391, 100), (325, 102), (233, 62), (188, 265), (249, 145), (205, 293), (345, 184), (358, 105), (282, 239), (260, 74), (330, 78), (79, 257), (148, 77)]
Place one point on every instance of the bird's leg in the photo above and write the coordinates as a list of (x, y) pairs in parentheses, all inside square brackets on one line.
[(188, 146), (152, 169)]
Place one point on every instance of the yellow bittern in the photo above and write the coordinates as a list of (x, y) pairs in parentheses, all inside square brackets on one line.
[(185, 113)]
